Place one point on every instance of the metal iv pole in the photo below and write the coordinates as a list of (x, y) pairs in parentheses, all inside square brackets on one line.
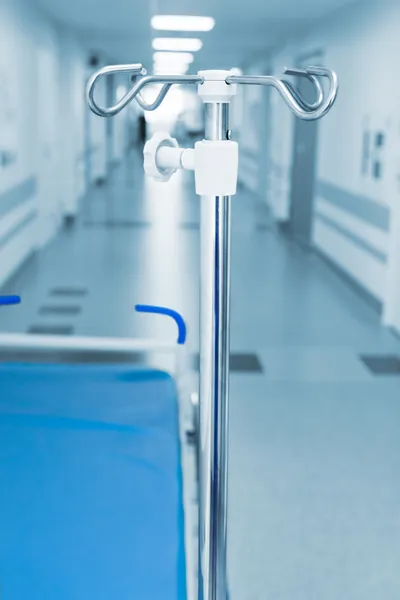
[(215, 164), (214, 374)]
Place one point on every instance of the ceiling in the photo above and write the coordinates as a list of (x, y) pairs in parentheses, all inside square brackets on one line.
[(120, 29)]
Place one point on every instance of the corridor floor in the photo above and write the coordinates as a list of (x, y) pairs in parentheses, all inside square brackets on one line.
[(314, 434)]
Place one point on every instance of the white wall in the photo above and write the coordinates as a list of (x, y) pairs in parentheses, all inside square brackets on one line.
[(72, 121), (120, 125), (96, 141), (250, 121), (362, 44), (107, 139), (29, 141)]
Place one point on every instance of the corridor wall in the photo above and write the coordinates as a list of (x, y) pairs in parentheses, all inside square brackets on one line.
[(356, 183), (35, 164), (72, 123), (250, 118)]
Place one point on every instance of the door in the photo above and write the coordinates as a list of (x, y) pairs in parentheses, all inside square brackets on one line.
[(265, 134), (49, 201), (391, 191), (304, 164)]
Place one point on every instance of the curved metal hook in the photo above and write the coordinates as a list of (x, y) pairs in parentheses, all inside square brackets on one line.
[(303, 103), (318, 89), (101, 111), (293, 100), (134, 92), (156, 103)]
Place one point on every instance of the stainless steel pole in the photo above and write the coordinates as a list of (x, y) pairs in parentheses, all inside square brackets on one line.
[(214, 376)]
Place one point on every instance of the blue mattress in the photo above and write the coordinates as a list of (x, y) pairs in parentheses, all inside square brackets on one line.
[(90, 484)]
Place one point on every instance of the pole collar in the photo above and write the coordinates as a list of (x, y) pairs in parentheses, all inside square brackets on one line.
[(214, 88)]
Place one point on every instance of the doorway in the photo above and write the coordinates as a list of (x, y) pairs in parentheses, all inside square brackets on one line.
[(304, 162), (49, 204), (391, 308)]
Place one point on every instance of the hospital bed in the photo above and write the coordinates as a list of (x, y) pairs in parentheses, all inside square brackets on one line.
[(97, 473)]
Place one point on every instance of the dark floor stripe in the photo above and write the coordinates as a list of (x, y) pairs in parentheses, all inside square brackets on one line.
[(239, 363), (68, 291), (51, 329), (60, 310), (132, 224), (382, 364), (73, 357), (117, 224)]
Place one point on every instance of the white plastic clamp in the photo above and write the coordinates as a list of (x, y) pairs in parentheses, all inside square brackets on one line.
[(151, 166), (215, 163), (216, 167)]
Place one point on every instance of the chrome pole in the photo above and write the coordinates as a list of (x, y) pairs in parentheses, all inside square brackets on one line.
[(214, 376)]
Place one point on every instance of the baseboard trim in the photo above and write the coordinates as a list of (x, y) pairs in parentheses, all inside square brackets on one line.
[(355, 285), (12, 281), (395, 332), (285, 230)]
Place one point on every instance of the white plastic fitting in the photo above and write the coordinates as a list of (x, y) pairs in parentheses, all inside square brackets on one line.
[(216, 167), (215, 163), (151, 166), (214, 87), (177, 158), (163, 157)]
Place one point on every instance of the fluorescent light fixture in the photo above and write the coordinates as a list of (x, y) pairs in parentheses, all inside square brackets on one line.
[(182, 23), (173, 57), (178, 44)]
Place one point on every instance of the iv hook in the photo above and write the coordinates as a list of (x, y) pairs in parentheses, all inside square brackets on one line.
[(298, 105), (135, 69), (134, 92), (318, 88)]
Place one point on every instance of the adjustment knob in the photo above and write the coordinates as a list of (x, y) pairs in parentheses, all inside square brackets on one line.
[(159, 140)]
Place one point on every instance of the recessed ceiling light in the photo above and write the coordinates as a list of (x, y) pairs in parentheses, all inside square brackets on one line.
[(182, 23), (178, 44), (173, 57)]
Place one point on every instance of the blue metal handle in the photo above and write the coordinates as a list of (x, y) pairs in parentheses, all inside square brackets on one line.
[(9, 300), (160, 310)]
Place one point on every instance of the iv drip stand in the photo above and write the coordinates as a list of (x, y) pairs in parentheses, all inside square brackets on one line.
[(215, 163)]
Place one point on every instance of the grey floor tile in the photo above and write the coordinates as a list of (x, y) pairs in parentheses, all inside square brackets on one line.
[(314, 490)]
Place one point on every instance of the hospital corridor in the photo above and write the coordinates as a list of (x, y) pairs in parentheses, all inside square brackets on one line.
[(199, 300)]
